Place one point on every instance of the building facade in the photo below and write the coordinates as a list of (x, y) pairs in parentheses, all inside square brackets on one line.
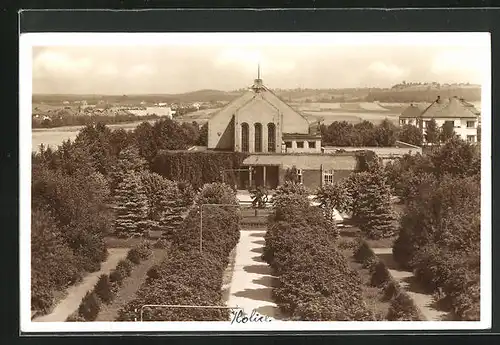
[(277, 138), (461, 115)]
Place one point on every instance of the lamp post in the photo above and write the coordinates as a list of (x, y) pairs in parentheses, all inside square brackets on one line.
[(201, 219), (182, 306)]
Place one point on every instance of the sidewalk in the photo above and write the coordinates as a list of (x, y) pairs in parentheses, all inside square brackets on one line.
[(424, 301), (251, 284), (76, 292)]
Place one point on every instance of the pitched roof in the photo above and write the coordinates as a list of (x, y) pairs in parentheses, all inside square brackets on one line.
[(258, 88), (414, 110), (308, 161), (442, 108)]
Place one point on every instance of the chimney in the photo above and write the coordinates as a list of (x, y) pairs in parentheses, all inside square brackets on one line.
[(438, 100)]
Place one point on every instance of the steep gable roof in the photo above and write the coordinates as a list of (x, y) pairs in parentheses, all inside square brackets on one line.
[(266, 94), (441, 108)]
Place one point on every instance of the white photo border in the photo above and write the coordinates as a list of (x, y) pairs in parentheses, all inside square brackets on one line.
[(480, 40)]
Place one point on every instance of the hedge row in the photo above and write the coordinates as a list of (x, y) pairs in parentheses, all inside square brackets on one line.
[(316, 283), (107, 286), (198, 168), (402, 307), (186, 276)]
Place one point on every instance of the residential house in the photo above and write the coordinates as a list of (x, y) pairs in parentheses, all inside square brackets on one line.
[(462, 115)]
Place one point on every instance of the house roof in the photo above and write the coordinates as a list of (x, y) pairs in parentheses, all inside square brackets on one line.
[(258, 89), (307, 161), (414, 110), (442, 108)]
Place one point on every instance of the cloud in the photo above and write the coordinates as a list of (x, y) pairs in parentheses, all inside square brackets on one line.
[(177, 68), (387, 70), (56, 63)]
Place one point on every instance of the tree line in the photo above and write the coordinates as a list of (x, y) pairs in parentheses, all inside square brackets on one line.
[(343, 133)]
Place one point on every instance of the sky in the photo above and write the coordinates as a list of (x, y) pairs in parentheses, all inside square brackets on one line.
[(135, 66)]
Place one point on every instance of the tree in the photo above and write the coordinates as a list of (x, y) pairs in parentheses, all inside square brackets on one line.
[(364, 132), (411, 134), (386, 134), (128, 160), (339, 134), (432, 132), (203, 135), (375, 207), (447, 131), (131, 206), (96, 139), (334, 196), (145, 141), (456, 157)]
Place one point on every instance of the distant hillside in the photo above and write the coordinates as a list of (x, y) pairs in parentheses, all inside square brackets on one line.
[(195, 96), (425, 95), (400, 95)]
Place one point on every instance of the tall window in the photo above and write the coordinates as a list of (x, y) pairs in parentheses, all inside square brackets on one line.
[(328, 176), (258, 137), (271, 137), (470, 124), (244, 137)]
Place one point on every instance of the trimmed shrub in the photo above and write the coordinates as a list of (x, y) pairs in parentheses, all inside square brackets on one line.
[(90, 306), (125, 267), (75, 317), (391, 289), (134, 256), (316, 283), (403, 309), (103, 289), (116, 276), (185, 276), (364, 253), (380, 274)]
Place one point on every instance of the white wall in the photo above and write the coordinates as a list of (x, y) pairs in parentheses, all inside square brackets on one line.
[(306, 148), (460, 126)]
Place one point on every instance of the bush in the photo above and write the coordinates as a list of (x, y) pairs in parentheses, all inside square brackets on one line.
[(90, 306), (364, 253), (380, 274), (161, 243), (403, 309), (103, 289), (75, 317), (185, 276), (316, 283), (125, 267), (391, 290), (134, 256)]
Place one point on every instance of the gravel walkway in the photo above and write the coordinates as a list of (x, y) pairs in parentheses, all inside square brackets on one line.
[(75, 293), (424, 301), (251, 284), (130, 286)]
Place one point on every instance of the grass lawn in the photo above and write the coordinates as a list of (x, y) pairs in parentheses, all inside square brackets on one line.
[(115, 242)]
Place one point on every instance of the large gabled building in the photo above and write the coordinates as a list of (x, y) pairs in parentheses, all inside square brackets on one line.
[(462, 115), (276, 137)]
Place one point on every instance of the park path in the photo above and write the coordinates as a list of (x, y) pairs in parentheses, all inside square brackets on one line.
[(130, 286), (251, 284), (75, 293), (424, 301)]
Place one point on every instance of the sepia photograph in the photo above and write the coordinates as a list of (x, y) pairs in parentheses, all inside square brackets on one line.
[(255, 181)]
